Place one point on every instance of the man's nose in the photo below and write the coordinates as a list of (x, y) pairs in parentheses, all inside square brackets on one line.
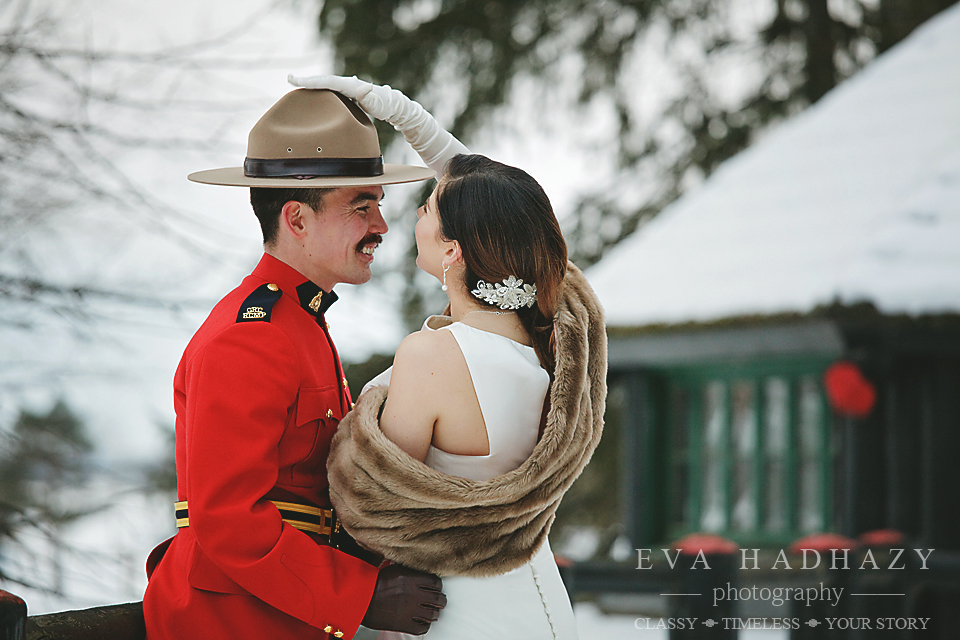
[(378, 224)]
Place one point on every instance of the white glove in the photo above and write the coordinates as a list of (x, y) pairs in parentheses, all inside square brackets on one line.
[(435, 145)]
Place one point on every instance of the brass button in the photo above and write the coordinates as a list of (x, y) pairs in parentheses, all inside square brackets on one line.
[(273, 287), (353, 404), (329, 413), (328, 629), (338, 634), (344, 382)]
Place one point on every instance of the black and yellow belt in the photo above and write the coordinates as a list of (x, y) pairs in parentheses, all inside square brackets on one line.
[(310, 519), (302, 516)]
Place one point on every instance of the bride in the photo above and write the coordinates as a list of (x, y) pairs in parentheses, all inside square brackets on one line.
[(474, 396)]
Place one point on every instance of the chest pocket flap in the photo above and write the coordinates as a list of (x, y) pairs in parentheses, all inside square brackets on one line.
[(318, 403)]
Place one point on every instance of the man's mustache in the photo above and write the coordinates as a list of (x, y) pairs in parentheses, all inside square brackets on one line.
[(370, 239)]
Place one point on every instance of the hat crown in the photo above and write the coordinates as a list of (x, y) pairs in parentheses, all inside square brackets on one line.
[(313, 138), (311, 123)]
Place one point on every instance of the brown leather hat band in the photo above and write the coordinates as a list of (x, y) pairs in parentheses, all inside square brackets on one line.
[(313, 167)]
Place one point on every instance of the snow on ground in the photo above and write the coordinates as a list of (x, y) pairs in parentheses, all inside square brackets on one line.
[(856, 199), (98, 560)]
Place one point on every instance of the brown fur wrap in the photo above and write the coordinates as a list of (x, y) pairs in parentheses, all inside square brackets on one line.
[(447, 525)]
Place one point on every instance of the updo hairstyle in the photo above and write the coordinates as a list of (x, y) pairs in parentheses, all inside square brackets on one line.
[(506, 227)]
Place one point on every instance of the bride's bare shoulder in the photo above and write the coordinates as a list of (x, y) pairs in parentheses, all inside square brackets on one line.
[(427, 352)]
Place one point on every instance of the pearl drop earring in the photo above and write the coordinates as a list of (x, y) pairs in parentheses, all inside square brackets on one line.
[(444, 287)]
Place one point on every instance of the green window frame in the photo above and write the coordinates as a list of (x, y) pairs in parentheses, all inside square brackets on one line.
[(749, 450)]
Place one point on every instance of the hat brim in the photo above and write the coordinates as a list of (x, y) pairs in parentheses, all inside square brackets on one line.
[(234, 177)]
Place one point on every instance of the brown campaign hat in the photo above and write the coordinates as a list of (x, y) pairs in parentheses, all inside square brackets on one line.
[(313, 138)]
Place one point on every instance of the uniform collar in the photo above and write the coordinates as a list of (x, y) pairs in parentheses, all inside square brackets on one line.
[(312, 298)]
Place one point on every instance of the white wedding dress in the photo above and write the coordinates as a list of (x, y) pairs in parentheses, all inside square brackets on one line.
[(530, 602)]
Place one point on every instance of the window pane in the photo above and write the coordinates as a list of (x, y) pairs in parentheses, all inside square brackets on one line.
[(679, 451), (744, 449), (714, 516), (775, 423), (811, 455)]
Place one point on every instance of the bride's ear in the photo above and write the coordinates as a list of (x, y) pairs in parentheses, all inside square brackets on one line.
[(452, 253)]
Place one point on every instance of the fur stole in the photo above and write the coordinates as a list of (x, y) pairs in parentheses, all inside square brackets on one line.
[(447, 525)]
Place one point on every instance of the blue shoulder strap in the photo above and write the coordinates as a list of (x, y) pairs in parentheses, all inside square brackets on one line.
[(259, 304)]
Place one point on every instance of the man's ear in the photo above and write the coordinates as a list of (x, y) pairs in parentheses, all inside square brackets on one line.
[(293, 218)]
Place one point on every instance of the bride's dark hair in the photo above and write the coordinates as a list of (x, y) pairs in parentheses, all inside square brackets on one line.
[(506, 227)]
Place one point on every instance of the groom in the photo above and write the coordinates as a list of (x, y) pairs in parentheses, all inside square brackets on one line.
[(259, 394)]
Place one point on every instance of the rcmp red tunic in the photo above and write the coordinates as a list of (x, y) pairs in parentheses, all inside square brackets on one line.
[(258, 395)]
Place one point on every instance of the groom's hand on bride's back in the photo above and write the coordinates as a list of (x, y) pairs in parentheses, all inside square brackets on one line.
[(405, 600)]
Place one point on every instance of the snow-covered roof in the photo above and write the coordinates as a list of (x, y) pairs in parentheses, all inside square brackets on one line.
[(855, 199)]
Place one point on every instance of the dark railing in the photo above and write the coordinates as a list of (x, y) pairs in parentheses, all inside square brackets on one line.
[(114, 622)]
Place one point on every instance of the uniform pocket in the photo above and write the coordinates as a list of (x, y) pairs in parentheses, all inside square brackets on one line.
[(318, 403), (304, 447)]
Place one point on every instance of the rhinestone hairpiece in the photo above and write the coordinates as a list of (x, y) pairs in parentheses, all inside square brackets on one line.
[(512, 294)]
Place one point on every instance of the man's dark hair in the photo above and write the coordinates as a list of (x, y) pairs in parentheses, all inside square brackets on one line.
[(268, 201)]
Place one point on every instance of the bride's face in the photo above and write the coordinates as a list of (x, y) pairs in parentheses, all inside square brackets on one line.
[(430, 245)]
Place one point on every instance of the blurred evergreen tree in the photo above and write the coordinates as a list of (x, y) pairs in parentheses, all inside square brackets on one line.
[(360, 373), (789, 54), (162, 477), (44, 460), (47, 453)]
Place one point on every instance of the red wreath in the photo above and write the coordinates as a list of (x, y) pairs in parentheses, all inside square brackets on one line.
[(849, 393), (708, 543), (882, 538)]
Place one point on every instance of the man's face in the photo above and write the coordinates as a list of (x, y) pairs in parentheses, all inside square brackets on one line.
[(342, 236)]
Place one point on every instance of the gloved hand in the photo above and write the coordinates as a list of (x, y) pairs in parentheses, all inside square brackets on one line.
[(434, 144), (405, 600)]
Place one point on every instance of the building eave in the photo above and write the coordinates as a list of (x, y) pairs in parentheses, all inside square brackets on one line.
[(833, 331)]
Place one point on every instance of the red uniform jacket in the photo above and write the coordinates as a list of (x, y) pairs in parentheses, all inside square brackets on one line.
[(258, 395)]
